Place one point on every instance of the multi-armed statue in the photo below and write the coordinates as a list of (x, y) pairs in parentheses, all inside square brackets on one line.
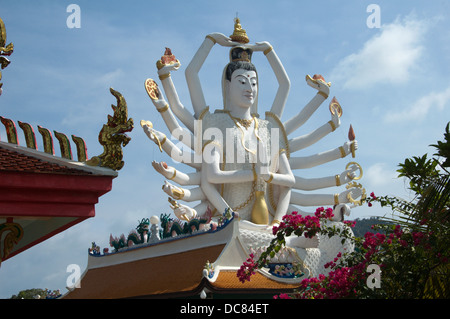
[(241, 161)]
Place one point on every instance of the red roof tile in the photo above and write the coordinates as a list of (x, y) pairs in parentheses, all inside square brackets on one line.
[(16, 162)]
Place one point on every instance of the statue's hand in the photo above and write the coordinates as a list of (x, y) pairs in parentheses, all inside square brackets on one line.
[(321, 86), (339, 212), (262, 171), (354, 191), (153, 134), (348, 175), (163, 169), (168, 188), (222, 39), (260, 46), (169, 68), (348, 146), (184, 212), (155, 94), (173, 191), (160, 102), (335, 119)]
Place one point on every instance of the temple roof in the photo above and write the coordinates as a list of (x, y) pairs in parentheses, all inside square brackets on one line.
[(176, 267), (175, 275), (42, 194), (171, 276), (16, 158), (12, 161)]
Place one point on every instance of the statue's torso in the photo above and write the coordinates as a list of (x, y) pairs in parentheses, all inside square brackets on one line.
[(240, 151)]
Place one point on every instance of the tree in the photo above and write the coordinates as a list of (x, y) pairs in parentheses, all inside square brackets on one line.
[(30, 294), (37, 293), (364, 225)]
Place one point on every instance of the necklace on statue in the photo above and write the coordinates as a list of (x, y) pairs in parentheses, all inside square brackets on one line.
[(243, 122)]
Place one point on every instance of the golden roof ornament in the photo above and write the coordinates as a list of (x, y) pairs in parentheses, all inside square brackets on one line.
[(112, 136), (239, 34), (14, 233), (5, 50)]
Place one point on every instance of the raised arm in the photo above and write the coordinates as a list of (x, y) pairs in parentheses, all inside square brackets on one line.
[(184, 115), (323, 90), (304, 141), (284, 84), (192, 78), (182, 134)]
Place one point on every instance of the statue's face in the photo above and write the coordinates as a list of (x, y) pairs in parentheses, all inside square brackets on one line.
[(243, 88)]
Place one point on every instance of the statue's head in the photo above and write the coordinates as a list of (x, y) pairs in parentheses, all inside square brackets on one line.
[(242, 88), (240, 80), (240, 58)]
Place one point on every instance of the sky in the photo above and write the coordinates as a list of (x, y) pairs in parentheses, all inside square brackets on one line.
[(388, 62)]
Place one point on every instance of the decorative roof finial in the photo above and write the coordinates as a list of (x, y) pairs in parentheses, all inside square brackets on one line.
[(112, 136), (5, 50), (239, 34)]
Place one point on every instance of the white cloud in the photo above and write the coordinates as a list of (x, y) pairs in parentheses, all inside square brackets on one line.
[(387, 57), (378, 175), (421, 107)]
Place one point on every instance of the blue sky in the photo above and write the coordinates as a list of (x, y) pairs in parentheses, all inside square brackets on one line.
[(393, 83)]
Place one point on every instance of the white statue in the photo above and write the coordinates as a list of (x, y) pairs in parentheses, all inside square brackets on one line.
[(245, 161)]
